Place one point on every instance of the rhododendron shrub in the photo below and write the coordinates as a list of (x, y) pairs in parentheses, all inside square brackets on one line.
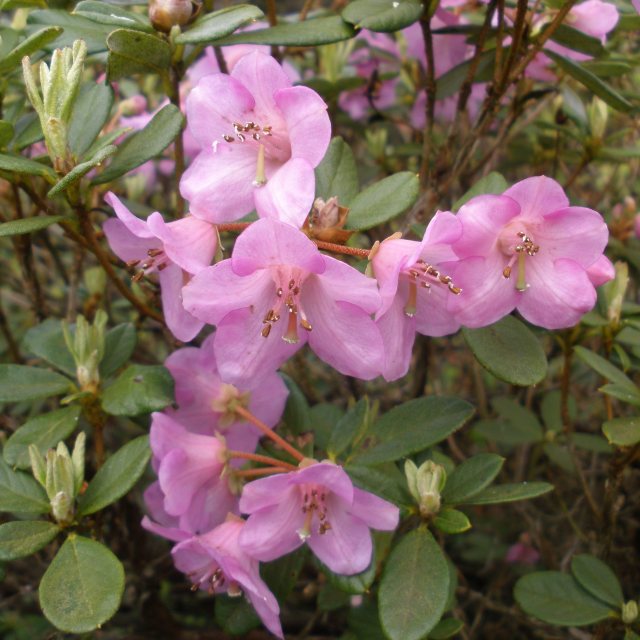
[(320, 321)]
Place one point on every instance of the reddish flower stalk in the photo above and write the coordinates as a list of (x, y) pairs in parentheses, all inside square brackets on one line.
[(255, 457)]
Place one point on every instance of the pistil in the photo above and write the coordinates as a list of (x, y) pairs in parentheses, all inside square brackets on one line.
[(261, 178)]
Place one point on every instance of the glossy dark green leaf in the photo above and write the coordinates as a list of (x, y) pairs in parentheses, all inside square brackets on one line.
[(451, 521), (139, 389), (119, 344), (27, 225), (24, 537), (598, 579), (18, 164), (348, 427), (471, 477), (109, 14), (19, 382), (133, 51), (492, 183), (28, 46), (117, 476), (145, 144), (622, 432), (558, 599), (415, 426), (82, 169), (494, 348), (75, 27), (337, 174), (414, 587), (383, 200), (218, 24), (20, 493), (510, 493), (447, 628), (44, 431), (82, 587), (90, 113), (309, 33), (382, 15), (591, 82)]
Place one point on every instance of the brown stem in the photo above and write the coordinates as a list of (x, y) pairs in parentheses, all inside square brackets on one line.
[(178, 144), (339, 248), (12, 345), (222, 63), (255, 457), (272, 17), (431, 89), (247, 415)]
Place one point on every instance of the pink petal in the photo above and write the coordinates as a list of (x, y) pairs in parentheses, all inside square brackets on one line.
[(126, 245), (398, 333), (217, 291), (374, 511), (346, 548), (171, 533), (308, 124), (594, 17), (444, 229), (133, 223), (288, 195), (213, 106), (265, 492), (271, 243), (559, 294), (433, 315), (189, 242), (326, 474), (538, 196), (182, 324), (219, 184), (601, 271)]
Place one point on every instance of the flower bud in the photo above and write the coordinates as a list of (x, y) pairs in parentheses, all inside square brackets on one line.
[(425, 485), (615, 291), (87, 348), (630, 612), (62, 507), (133, 106), (325, 214), (164, 14), (598, 115)]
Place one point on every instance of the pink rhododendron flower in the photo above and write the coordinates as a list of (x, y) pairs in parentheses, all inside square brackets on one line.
[(276, 293), (216, 563), (189, 468), (530, 250), (252, 125), (636, 4), (204, 400), (319, 505), (160, 522), (415, 288), (174, 250)]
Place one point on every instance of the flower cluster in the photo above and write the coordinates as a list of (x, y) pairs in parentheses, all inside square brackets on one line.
[(261, 138)]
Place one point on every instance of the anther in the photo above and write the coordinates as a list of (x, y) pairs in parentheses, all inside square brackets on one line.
[(138, 276), (132, 263), (152, 253), (266, 330), (241, 137), (279, 292), (228, 138), (305, 324)]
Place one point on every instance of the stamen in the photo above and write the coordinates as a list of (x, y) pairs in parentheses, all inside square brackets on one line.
[(411, 306), (152, 253), (261, 178), (305, 324), (521, 282), (266, 330), (291, 336), (132, 263), (228, 138), (138, 276)]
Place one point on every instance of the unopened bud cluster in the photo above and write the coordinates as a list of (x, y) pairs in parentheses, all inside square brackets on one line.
[(87, 348), (426, 483)]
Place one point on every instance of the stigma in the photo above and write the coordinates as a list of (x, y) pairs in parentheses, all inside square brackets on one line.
[(287, 302)]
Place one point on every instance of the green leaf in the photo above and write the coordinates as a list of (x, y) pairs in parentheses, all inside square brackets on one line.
[(383, 200), (139, 389), (119, 344), (27, 225), (471, 477), (20, 493), (385, 481), (492, 183), (75, 27), (519, 418), (6, 133), (281, 575), (607, 68), (415, 426), (622, 393), (331, 598), (235, 615), (414, 586), (347, 428), (382, 15), (622, 432), (309, 33), (90, 113), (114, 16), (605, 368), (145, 144), (510, 493), (494, 348), (82, 587), (132, 52), (352, 584), (296, 411), (117, 476), (598, 579), (337, 174), (446, 629), (452, 521), (24, 537), (44, 432), (577, 40), (591, 442), (46, 341), (82, 169), (591, 82), (18, 164), (19, 382), (450, 83), (219, 24), (28, 46), (558, 599)]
